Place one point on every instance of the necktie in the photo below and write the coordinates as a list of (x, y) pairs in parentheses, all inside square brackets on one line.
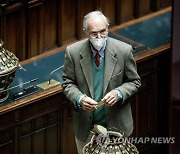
[(97, 59)]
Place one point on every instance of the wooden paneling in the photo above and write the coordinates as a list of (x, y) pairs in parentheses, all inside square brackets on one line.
[(13, 30), (159, 4), (32, 27), (40, 134), (68, 145), (50, 20), (35, 29), (68, 19), (144, 7), (150, 104), (108, 7), (124, 11), (147, 100), (34, 128), (165, 3)]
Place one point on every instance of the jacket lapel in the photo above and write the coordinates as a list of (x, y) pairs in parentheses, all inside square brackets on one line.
[(110, 63), (87, 67)]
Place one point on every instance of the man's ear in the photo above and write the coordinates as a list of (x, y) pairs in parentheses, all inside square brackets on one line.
[(85, 30)]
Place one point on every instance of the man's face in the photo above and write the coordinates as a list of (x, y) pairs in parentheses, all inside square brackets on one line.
[(97, 27)]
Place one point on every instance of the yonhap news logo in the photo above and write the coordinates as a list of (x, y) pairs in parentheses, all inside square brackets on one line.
[(103, 139), (144, 140)]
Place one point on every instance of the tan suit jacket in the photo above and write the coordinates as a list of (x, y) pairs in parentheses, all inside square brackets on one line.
[(119, 72)]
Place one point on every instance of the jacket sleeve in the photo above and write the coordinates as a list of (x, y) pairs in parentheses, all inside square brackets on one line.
[(131, 79), (69, 86)]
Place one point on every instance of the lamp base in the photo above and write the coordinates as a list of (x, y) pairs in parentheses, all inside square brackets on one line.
[(47, 85)]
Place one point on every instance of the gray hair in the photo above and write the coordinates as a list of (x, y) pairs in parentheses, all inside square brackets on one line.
[(93, 14)]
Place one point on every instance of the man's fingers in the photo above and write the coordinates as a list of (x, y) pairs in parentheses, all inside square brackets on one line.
[(88, 104), (110, 98), (111, 102), (87, 108)]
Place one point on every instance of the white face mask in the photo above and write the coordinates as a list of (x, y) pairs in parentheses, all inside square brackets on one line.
[(98, 42)]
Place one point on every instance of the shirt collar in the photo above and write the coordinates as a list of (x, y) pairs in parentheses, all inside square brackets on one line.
[(101, 51)]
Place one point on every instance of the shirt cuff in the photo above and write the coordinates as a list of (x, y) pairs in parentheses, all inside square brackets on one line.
[(78, 100), (120, 96)]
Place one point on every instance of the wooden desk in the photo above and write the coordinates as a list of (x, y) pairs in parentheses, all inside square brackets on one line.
[(42, 123)]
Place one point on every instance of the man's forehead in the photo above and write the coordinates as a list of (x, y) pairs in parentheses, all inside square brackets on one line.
[(97, 23), (96, 19)]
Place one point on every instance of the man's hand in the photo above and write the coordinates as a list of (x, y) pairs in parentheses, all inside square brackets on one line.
[(110, 98), (88, 104)]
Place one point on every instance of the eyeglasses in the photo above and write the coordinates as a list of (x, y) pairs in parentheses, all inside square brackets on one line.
[(102, 33)]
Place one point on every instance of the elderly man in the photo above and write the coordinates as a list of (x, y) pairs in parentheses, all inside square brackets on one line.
[(101, 70)]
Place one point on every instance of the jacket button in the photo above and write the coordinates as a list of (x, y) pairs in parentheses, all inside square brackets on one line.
[(90, 117)]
